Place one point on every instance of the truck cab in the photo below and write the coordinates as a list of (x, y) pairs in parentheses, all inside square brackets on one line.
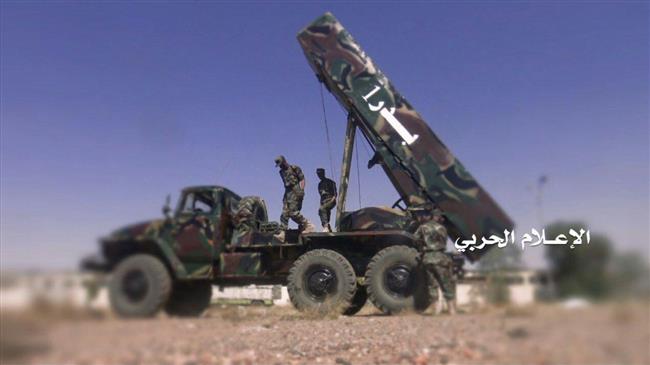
[(190, 238)]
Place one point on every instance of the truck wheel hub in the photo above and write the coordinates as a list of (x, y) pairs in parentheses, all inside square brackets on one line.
[(321, 281), (135, 285), (397, 280)]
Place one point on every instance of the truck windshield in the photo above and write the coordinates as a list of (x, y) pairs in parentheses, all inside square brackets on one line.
[(197, 202)]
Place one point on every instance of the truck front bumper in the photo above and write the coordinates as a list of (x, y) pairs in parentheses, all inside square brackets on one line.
[(94, 263)]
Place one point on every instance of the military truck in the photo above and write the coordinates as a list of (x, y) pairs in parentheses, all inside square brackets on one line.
[(172, 263), (215, 237)]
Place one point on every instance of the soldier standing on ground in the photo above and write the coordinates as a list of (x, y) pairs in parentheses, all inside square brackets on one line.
[(327, 192), (294, 192), (431, 237)]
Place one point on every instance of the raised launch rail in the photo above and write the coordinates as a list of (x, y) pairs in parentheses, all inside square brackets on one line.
[(417, 163)]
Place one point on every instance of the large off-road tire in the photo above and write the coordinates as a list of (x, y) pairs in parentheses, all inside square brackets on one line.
[(395, 281), (321, 282), (189, 298), (139, 286), (358, 302)]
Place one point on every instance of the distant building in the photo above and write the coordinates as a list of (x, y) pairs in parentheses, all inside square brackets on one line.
[(524, 287), (22, 289)]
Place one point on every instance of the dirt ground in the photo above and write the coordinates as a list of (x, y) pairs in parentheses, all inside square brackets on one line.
[(549, 334)]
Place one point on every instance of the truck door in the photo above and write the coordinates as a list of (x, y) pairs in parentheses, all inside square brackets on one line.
[(194, 231)]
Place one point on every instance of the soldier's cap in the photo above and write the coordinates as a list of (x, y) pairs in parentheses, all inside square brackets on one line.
[(280, 159)]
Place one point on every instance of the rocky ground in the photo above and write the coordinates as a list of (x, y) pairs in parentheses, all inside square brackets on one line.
[(550, 334)]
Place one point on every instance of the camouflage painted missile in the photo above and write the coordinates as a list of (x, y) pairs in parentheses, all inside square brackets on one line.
[(417, 163)]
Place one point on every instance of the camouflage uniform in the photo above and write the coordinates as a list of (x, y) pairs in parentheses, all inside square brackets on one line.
[(432, 237), (293, 196), (327, 191), (244, 222)]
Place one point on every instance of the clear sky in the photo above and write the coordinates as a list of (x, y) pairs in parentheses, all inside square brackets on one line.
[(107, 108)]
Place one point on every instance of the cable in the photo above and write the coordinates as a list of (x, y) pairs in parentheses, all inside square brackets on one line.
[(366, 149), (399, 161), (327, 133), (356, 150)]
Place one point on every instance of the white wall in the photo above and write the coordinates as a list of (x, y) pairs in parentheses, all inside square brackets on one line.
[(69, 289)]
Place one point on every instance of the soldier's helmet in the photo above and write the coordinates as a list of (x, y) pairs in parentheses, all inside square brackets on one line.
[(320, 170), (280, 160)]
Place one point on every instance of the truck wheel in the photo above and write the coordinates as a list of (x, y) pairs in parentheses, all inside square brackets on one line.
[(321, 281), (395, 282), (189, 298), (358, 302), (139, 286)]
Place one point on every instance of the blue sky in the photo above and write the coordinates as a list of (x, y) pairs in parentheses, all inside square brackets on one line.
[(108, 107)]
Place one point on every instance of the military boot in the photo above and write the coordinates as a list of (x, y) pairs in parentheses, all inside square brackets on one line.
[(309, 227), (279, 236)]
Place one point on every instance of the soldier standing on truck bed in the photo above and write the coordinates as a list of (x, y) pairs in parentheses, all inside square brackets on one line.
[(327, 192), (294, 192), (431, 237)]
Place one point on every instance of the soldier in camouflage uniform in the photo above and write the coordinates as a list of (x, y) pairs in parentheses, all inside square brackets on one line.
[(244, 221), (431, 237), (327, 192), (294, 192)]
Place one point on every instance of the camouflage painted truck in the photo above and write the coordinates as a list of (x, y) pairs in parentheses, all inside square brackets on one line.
[(215, 237)]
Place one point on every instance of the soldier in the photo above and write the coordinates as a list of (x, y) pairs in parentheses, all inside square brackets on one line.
[(244, 221), (431, 237), (294, 192), (327, 192)]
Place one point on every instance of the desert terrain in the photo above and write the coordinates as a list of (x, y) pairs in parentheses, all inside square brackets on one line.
[(543, 334)]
